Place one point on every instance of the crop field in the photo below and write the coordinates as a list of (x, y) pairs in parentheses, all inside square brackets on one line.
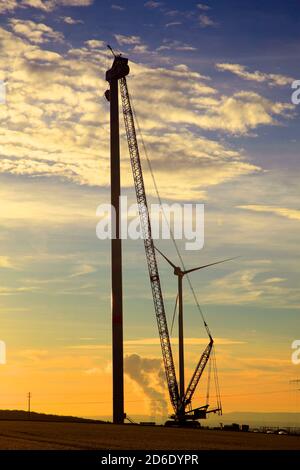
[(85, 436)]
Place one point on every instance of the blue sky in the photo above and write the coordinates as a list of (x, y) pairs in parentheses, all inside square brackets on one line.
[(211, 84)]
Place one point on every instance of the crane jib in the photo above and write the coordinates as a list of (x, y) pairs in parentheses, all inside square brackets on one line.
[(198, 373)]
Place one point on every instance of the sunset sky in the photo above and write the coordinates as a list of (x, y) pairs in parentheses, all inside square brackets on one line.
[(211, 84)]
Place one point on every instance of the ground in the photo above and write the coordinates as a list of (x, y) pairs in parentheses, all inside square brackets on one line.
[(85, 436)]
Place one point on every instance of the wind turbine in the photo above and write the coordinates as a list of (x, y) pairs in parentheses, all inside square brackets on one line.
[(179, 299)]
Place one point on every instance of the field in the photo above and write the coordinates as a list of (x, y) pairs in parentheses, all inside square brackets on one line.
[(86, 436)]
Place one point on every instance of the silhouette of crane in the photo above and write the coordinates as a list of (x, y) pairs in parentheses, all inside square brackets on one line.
[(178, 396)]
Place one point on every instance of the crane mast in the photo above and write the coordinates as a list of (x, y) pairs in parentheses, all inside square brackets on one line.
[(149, 246)]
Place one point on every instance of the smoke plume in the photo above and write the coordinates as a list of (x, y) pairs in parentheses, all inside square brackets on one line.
[(149, 375)]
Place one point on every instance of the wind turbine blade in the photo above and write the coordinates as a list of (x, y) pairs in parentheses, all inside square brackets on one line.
[(207, 265), (170, 262), (174, 313)]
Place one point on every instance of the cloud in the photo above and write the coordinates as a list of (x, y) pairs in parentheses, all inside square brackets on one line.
[(69, 20), (173, 23), (252, 286), (273, 280), (95, 44), (244, 111), (135, 41), (188, 341), (34, 355), (83, 270), (44, 5), (128, 40), (75, 3), (293, 214), (256, 76), (202, 6), (117, 7), (140, 49), (6, 262), (205, 21), (175, 45), (59, 128), (7, 5), (5, 291), (152, 4), (94, 371), (37, 33), (25, 207)]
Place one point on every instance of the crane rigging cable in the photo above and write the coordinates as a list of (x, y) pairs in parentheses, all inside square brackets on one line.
[(208, 380), (216, 380), (165, 217)]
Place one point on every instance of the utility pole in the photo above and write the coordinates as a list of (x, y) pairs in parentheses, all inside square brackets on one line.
[(29, 404), (119, 70)]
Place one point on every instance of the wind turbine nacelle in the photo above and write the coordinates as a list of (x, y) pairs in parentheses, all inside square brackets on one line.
[(118, 70)]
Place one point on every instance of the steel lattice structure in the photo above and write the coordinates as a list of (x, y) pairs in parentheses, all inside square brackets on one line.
[(198, 373)]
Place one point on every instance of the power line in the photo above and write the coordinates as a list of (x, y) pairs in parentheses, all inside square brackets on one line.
[(152, 400)]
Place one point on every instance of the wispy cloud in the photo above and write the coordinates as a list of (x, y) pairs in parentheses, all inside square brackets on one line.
[(242, 71), (253, 286), (140, 49), (153, 4), (175, 45), (44, 5), (188, 341), (95, 44), (175, 107), (206, 21), (6, 262), (202, 6), (137, 47), (117, 7), (37, 33), (173, 23), (8, 5), (127, 40), (83, 270), (74, 3), (288, 213), (70, 20)]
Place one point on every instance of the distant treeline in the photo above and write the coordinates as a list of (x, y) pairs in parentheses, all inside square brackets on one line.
[(19, 415)]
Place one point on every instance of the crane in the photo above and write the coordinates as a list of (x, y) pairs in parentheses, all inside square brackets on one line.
[(179, 399)]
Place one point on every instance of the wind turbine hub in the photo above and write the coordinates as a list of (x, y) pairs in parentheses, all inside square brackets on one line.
[(178, 271)]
